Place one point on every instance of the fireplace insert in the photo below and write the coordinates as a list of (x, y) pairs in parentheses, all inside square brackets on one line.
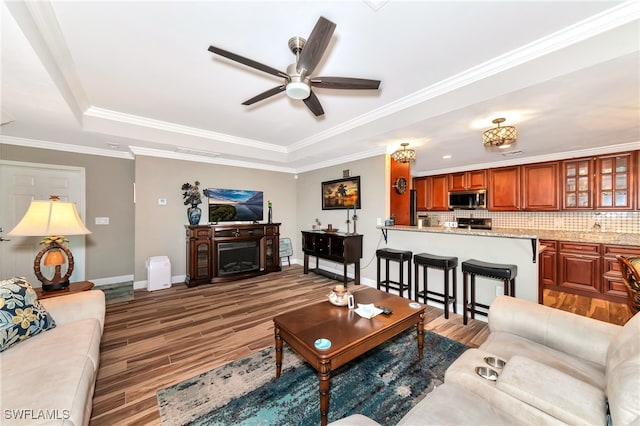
[(238, 257)]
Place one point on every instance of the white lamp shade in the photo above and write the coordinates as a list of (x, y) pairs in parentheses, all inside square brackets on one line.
[(44, 218), (298, 90)]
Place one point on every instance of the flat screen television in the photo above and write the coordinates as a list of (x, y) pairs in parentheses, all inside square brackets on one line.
[(234, 205)]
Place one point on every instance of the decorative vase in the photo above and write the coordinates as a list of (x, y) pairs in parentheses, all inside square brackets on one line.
[(194, 213)]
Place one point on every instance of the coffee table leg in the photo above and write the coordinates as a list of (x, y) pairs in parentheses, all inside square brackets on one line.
[(323, 376), (278, 351), (420, 327)]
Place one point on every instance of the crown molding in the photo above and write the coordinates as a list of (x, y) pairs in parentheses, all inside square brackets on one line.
[(150, 152), (56, 146), (516, 161), (583, 30), (342, 160), (136, 120)]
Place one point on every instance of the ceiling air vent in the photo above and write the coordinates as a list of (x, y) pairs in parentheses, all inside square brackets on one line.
[(511, 153)]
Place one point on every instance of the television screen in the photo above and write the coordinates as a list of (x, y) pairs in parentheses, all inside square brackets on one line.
[(233, 205)]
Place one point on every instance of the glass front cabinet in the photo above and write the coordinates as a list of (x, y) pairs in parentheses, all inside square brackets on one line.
[(602, 183)]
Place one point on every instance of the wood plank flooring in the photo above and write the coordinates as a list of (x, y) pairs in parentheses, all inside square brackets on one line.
[(163, 337)]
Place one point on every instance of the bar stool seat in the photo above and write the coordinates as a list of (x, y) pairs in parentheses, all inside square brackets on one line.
[(473, 267), (394, 255), (446, 263)]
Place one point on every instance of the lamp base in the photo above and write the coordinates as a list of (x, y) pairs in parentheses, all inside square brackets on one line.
[(57, 286)]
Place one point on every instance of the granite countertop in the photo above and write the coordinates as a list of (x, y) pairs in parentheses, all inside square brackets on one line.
[(577, 236)]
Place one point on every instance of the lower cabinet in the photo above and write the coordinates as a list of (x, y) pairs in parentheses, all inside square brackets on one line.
[(586, 269), (580, 268)]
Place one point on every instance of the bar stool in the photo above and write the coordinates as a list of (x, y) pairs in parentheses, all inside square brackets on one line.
[(446, 263), (399, 256), (473, 267)]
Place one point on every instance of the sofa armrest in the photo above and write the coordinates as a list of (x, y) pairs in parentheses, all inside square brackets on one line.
[(572, 334), (76, 306)]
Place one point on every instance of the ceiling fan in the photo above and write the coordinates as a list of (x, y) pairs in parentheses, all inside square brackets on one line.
[(297, 79)]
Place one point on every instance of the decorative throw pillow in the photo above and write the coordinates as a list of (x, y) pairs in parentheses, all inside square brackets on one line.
[(21, 314)]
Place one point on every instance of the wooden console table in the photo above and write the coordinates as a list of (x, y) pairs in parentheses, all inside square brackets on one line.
[(336, 246), (205, 243)]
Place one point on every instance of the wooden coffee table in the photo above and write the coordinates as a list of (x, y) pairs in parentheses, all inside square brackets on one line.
[(350, 334)]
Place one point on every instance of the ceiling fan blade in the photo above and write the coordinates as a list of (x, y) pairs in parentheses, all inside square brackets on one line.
[(313, 104), (316, 45), (345, 83), (248, 62), (265, 95)]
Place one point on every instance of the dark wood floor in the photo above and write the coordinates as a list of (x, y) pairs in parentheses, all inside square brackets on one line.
[(167, 336)]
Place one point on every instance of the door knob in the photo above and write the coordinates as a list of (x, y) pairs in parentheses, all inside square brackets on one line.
[(3, 239)]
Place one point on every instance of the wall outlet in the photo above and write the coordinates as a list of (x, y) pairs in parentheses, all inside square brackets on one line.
[(162, 201)]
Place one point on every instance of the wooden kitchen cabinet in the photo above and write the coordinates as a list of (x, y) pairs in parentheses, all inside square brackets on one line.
[(432, 193), (548, 264), (612, 286), (579, 268), (540, 187), (615, 181), (463, 181), (577, 184), (439, 193), (504, 189)]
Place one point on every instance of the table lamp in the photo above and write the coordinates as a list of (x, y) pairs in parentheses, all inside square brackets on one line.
[(52, 219)]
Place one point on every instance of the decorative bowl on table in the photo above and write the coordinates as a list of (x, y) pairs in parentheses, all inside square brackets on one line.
[(330, 230), (339, 296)]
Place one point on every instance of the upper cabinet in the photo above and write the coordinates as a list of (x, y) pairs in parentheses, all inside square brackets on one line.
[(540, 187), (504, 189), (475, 179), (615, 177), (432, 193), (577, 184)]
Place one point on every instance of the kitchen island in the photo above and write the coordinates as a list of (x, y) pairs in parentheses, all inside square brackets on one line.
[(520, 247)]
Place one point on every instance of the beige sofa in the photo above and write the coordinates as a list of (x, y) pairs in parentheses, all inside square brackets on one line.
[(561, 368), (49, 378)]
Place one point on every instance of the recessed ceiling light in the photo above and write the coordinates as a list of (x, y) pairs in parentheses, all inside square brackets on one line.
[(446, 157)]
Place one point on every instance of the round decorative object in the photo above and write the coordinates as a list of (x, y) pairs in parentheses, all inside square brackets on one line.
[(322, 344), (339, 298), (400, 185), (58, 281), (194, 213)]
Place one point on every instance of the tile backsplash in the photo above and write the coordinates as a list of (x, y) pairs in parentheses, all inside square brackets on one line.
[(625, 222)]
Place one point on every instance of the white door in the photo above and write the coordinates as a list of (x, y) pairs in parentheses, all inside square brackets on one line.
[(19, 184)]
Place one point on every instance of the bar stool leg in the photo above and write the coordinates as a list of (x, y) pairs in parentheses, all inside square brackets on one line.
[(464, 301), (446, 294), (415, 282), (506, 288), (409, 279), (512, 293), (401, 282), (386, 276), (473, 296), (378, 273), (455, 286)]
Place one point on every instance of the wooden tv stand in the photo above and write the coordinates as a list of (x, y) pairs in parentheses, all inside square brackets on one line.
[(228, 252)]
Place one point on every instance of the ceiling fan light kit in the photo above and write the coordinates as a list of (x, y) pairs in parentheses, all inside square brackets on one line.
[(297, 80), (500, 137)]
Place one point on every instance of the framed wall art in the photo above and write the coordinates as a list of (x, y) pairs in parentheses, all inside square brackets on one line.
[(341, 194)]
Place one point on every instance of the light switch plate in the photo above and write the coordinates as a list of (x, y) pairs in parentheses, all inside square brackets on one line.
[(102, 220), (162, 201)]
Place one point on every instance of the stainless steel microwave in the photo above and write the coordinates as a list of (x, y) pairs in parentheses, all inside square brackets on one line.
[(468, 199)]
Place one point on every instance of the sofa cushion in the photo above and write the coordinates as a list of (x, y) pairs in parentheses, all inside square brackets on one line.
[(560, 395), (21, 314), (506, 346), (450, 404), (62, 365), (623, 374)]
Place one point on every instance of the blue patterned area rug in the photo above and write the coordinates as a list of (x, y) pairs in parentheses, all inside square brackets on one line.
[(384, 384)]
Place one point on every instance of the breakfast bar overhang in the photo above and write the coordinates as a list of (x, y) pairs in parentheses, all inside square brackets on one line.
[(516, 248)]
